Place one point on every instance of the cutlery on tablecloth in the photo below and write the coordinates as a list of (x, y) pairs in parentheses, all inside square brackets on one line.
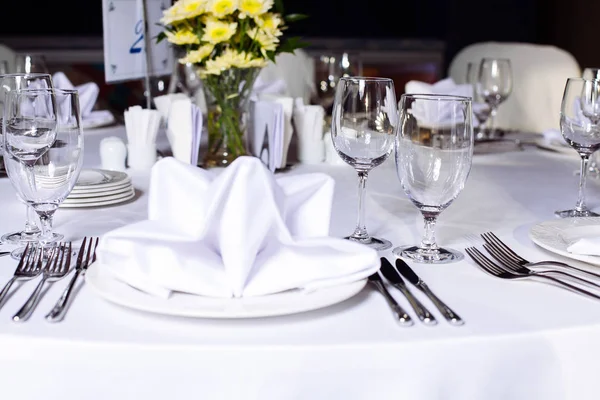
[(501, 272), (390, 273), (516, 260), (4, 253), (56, 267), (403, 318), (413, 278), (29, 267), (59, 310)]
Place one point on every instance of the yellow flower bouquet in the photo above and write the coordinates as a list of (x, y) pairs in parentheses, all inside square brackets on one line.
[(228, 42)]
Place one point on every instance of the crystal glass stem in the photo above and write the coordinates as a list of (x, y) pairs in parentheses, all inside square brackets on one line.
[(582, 181), (428, 242), (46, 225), (360, 232), (492, 120), (31, 226)]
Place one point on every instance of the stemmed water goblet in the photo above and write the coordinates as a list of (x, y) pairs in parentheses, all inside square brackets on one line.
[(8, 83), (481, 109), (434, 151), (44, 150), (580, 127), (364, 123), (494, 86)]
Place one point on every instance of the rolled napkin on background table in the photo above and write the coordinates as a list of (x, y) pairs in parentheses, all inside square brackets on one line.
[(163, 104), (141, 126), (184, 130), (88, 94), (240, 233), (309, 120), (288, 128)]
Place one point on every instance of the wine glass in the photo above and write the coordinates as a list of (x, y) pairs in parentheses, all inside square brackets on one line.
[(481, 109), (44, 149), (31, 63), (593, 170), (363, 126), (8, 83), (329, 68), (495, 85), (580, 126), (434, 151)]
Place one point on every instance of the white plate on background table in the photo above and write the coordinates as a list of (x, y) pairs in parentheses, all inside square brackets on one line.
[(98, 202), (100, 193), (557, 235), (557, 145), (96, 199), (187, 305), (100, 178)]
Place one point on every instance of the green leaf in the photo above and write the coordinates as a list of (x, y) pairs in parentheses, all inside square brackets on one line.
[(279, 6), (295, 17), (160, 37), (271, 55), (291, 44)]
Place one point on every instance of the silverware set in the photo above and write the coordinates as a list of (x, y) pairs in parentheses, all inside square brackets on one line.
[(394, 276), (52, 264), (506, 264)]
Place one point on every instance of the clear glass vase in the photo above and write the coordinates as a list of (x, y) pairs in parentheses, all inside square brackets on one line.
[(227, 96)]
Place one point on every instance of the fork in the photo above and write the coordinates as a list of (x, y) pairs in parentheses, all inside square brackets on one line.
[(512, 265), (499, 272), (56, 268), (494, 241), (29, 267), (60, 308)]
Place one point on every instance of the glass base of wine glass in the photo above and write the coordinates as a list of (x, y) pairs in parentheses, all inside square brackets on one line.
[(437, 256), (373, 242), (18, 252), (20, 237), (576, 213)]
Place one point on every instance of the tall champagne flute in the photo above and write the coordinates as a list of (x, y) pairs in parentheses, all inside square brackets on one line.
[(54, 155), (8, 83), (434, 151), (580, 126), (495, 85), (364, 123)]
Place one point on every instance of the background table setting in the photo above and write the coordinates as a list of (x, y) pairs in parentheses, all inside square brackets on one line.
[(221, 249)]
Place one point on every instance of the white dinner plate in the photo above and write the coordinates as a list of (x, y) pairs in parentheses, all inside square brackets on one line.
[(92, 191), (100, 178), (99, 194), (187, 305), (98, 203), (97, 199), (557, 235)]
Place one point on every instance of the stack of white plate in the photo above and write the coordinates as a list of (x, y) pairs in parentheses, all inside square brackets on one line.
[(98, 188)]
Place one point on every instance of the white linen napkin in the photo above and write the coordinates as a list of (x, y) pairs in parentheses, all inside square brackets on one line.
[(240, 233), (163, 103), (586, 246), (308, 121), (266, 133), (184, 130), (261, 86), (141, 126), (288, 128), (88, 94), (554, 137)]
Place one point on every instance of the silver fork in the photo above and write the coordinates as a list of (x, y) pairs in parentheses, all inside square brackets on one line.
[(56, 268), (499, 272), (495, 242), (59, 310), (29, 267)]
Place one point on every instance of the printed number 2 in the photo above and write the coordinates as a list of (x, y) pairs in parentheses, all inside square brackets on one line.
[(140, 32)]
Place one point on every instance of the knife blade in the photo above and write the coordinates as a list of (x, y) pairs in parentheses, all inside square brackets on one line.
[(390, 273), (406, 271), (402, 316)]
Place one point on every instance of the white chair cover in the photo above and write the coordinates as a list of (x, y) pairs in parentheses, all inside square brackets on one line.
[(296, 70), (539, 76)]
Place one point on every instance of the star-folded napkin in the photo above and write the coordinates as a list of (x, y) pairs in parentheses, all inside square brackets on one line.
[(242, 232), (88, 94)]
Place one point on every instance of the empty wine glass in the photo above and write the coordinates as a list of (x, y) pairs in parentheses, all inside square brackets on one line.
[(580, 127), (495, 85), (44, 148), (364, 123), (8, 83), (481, 109), (329, 69), (593, 169), (31, 63), (434, 151)]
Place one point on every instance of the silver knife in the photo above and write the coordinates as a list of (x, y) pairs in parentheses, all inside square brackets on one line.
[(446, 311), (403, 318), (390, 273)]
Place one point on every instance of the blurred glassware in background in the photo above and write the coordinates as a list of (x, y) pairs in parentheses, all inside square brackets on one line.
[(593, 168), (4, 67), (481, 109), (329, 68), (31, 63), (494, 86)]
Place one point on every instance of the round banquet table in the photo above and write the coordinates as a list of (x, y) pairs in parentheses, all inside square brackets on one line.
[(521, 340)]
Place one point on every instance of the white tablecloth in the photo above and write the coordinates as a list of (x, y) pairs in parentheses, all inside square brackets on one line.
[(521, 340)]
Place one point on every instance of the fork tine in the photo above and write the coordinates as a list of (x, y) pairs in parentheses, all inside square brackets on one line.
[(87, 256), (95, 246), (69, 255), (81, 252), (502, 258), (471, 251), (24, 258), (491, 266), (493, 240)]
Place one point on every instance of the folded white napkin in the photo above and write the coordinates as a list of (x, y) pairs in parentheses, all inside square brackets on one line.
[(88, 94), (266, 132), (555, 138), (308, 121), (288, 128), (240, 233), (586, 246), (141, 126), (163, 103), (436, 113), (184, 130), (276, 87)]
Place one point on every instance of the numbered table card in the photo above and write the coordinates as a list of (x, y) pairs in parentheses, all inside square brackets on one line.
[(125, 40)]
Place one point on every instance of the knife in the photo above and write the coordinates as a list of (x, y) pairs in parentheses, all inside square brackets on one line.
[(390, 273), (403, 318), (446, 311)]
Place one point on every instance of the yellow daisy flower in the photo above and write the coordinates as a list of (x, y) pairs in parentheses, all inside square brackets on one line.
[(231, 59), (269, 22), (197, 56), (267, 42), (254, 8), (183, 9), (217, 31), (221, 8), (182, 36)]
